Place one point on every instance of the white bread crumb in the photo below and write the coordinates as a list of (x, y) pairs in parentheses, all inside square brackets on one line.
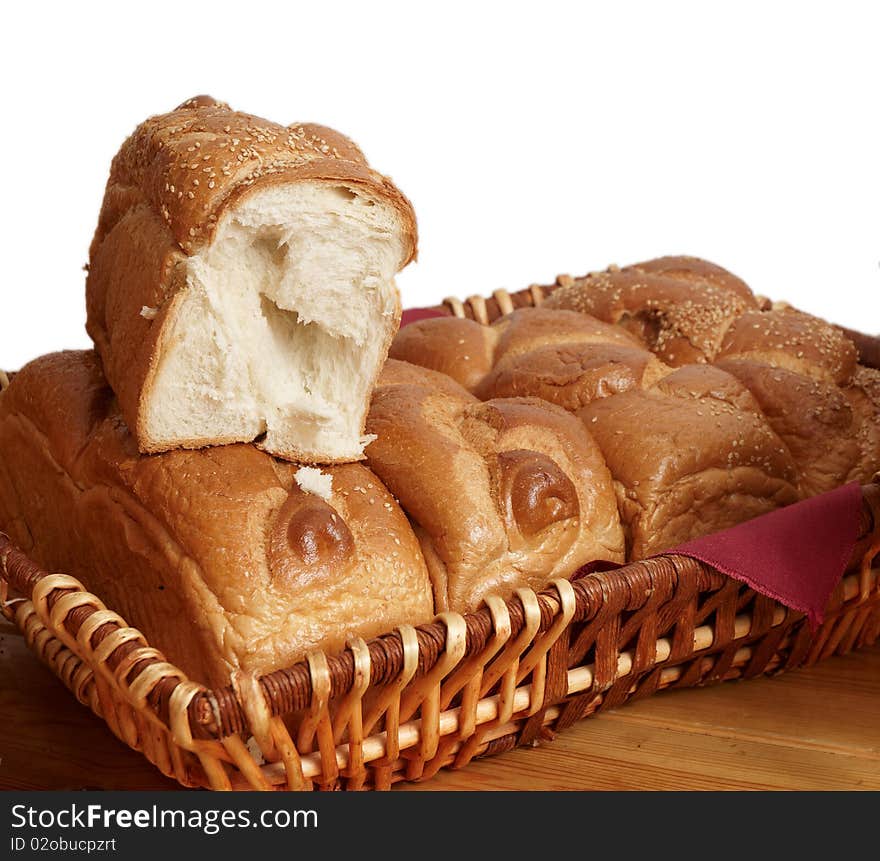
[(312, 480), (149, 313)]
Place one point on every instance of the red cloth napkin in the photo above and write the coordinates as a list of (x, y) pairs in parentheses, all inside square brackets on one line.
[(795, 555), (410, 315)]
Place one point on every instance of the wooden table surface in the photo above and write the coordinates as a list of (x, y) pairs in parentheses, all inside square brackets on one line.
[(817, 728)]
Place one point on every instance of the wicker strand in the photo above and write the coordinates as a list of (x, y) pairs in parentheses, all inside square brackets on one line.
[(468, 679), (259, 717), (455, 305)]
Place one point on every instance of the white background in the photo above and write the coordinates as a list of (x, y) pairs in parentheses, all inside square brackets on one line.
[(532, 139)]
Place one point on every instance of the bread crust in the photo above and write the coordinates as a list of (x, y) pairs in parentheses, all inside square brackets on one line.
[(461, 349), (689, 456), (695, 270), (863, 395), (563, 357), (681, 320), (170, 185), (217, 555), (811, 416), (791, 339), (572, 375)]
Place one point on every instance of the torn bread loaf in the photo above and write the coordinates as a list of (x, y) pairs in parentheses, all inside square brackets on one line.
[(503, 494), (241, 283), (225, 558)]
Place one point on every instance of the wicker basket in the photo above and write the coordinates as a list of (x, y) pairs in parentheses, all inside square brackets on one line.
[(419, 699)]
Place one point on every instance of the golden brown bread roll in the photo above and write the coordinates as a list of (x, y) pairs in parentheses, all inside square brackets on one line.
[(572, 375), (529, 328), (566, 358), (681, 319), (696, 271), (461, 349), (689, 456), (241, 283), (786, 338), (503, 494), (398, 373), (812, 417), (864, 398), (225, 558)]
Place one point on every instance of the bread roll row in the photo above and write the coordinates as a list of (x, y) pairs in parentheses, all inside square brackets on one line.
[(241, 299), (707, 409)]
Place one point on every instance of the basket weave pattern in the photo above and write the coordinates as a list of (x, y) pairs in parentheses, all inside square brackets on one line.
[(419, 699)]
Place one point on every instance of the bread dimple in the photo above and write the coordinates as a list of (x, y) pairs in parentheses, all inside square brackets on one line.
[(565, 459)]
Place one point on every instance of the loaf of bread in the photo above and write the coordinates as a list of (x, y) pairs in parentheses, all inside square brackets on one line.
[(503, 494), (691, 455), (678, 307), (226, 558), (241, 283)]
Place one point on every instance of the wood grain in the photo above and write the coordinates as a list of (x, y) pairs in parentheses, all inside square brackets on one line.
[(810, 729)]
